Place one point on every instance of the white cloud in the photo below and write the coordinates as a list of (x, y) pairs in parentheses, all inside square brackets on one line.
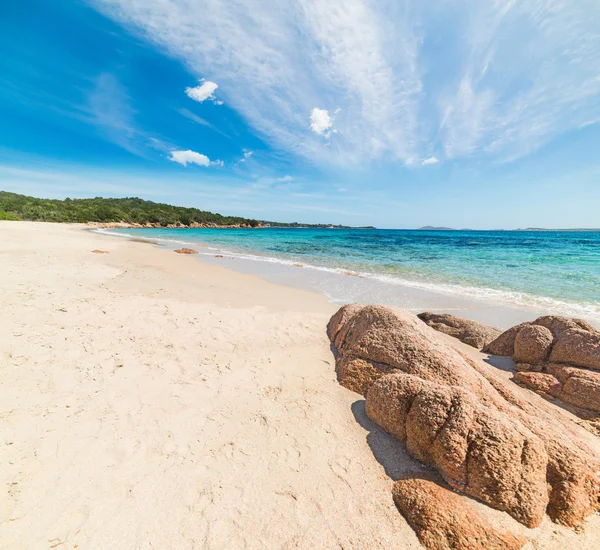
[(321, 122), (520, 73), (203, 92), (428, 161), (247, 155), (285, 179), (191, 157)]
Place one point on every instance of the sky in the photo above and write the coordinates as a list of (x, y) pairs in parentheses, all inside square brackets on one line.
[(391, 113)]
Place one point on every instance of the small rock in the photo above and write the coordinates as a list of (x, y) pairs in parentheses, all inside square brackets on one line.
[(505, 343), (539, 381), (527, 367)]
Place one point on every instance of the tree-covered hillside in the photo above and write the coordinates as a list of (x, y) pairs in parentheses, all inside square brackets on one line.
[(128, 210)]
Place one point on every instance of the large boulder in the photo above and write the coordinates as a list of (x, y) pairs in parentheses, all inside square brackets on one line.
[(443, 520), (470, 332), (358, 374), (374, 341), (477, 450), (340, 320), (397, 340)]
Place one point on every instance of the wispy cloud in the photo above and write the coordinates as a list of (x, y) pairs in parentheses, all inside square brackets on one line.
[(429, 161), (192, 157), (276, 61), (270, 181), (530, 72), (514, 75), (110, 109), (199, 120)]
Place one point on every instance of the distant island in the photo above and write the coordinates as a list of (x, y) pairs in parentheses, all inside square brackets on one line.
[(569, 229), (126, 212), (434, 228)]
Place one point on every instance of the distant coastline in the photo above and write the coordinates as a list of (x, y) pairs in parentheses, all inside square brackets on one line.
[(435, 228), (127, 213), (136, 213)]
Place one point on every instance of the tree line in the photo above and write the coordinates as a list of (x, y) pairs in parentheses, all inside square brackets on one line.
[(127, 210)]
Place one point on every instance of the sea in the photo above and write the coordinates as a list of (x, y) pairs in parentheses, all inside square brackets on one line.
[(543, 271)]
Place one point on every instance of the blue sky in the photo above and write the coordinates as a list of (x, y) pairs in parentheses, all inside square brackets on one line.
[(364, 112)]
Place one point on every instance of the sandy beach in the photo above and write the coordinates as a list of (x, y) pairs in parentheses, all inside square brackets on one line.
[(150, 400)]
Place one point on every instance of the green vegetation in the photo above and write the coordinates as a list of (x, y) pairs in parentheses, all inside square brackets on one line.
[(128, 210), (7, 216)]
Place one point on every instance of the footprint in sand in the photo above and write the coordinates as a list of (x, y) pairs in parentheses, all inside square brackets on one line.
[(340, 466), (292, 457)]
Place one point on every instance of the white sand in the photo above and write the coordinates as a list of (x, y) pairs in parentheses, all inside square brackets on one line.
[(153, 401)]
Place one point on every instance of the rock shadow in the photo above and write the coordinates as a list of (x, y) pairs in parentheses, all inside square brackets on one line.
[(501, 362), (387, 450)]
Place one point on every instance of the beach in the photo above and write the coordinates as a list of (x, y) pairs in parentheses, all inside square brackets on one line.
[(151, 400)]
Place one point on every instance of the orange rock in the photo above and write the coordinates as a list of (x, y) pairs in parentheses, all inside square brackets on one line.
[(186, 251), (539, 381), (477, 450), (532, 344), (374, 340), (443, 520), (575, 386), (505, 343), (471, 333), (574, 341)]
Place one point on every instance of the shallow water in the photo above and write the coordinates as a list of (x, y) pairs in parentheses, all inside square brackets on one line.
[(555, 271)]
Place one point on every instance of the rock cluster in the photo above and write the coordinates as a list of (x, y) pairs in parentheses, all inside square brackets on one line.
[(178, 225), (487, 437), (555, 356), (470, 332)]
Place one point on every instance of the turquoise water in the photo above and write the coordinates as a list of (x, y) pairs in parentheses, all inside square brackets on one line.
[(553, 270)]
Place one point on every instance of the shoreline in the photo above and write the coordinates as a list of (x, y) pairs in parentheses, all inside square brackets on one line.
[(340, 286)]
